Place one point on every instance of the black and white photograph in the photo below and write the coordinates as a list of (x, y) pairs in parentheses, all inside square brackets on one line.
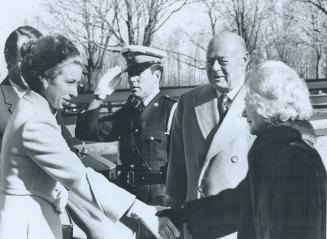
[(163, 119)]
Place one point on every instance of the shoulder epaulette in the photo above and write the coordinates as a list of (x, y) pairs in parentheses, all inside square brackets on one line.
[(167, 97)]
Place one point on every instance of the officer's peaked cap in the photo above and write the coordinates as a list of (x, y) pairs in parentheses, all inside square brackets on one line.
[(139, 58)]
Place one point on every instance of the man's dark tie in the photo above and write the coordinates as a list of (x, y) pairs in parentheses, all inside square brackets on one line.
[(222, 106), (135, 105), (140, 106)]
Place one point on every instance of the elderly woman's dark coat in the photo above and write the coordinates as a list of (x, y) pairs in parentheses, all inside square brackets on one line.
[(282, 197)]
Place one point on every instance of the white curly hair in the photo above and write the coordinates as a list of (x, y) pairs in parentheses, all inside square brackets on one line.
[(277, 93)]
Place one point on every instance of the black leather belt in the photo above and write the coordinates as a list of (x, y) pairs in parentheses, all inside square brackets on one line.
[(134, 178)]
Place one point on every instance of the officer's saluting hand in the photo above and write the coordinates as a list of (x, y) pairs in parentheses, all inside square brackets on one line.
[(108, 82)]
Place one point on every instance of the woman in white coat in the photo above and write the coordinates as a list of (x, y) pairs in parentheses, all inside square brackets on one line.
[(35, 157)]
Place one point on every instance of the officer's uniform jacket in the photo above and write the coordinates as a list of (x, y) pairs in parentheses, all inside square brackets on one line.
[(143, 138), (205, 157)]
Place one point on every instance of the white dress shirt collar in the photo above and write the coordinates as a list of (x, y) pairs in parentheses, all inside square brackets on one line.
[(231, 94), (19, 90)]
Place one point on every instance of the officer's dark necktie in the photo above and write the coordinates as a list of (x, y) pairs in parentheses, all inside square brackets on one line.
[(222, 106), (140, 106), (135, 105)]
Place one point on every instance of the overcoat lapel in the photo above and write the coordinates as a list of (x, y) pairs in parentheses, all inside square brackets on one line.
[(10, 97), (206, 110), (230, 127)]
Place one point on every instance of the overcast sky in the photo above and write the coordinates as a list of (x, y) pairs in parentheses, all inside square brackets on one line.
[(14, 13)]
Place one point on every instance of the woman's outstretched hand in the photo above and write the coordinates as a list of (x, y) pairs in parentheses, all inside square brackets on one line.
[(161, 228)]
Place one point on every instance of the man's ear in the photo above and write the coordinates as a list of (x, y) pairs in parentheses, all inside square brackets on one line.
[(157, 75), (45, 83), (245, 58)]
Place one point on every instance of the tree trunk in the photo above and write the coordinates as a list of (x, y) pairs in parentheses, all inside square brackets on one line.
[(147, 39), (89, 73), (179, 70), (319, 66)]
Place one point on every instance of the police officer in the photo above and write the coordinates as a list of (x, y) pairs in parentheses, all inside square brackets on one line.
[(142, 125)]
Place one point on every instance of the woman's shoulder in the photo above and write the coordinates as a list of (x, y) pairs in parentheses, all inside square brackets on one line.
[(285, 143), (31, 108), (284, 137), (24, 111), (292, 131)]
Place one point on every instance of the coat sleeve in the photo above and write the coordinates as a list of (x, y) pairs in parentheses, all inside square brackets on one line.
[(218, 215), (90, 127), (44, 144), (93, 222), (176, 184)]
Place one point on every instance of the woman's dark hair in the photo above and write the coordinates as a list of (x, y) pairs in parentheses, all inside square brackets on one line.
[(12, 50), (42, 57)]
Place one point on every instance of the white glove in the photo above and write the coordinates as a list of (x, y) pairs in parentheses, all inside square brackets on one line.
[(108, 82), (159, 227)]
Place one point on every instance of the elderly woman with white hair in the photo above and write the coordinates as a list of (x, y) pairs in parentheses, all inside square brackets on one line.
[(284, 193)]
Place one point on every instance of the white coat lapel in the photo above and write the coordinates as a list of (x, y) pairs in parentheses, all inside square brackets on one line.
[(230, 127), (206, 110)]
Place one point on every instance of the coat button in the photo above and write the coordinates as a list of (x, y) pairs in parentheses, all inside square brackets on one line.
[(234, 159), (137, 130), (201, 189), (151, 138)]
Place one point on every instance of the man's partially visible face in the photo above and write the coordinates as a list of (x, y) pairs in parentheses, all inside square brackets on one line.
[(20, 41), (144, 84), (226, 62), (14, 69)]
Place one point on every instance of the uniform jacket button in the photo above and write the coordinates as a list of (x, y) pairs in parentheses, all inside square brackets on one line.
[(137, 130), (234, 159), (151, 138)]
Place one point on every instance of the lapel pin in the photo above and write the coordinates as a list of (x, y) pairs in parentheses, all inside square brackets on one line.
[(155, 104)]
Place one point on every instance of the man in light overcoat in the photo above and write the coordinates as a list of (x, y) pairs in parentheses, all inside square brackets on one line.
[(210, 139)]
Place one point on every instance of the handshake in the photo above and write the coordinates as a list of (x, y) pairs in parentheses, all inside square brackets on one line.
[(95, 224), (155, 220)]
